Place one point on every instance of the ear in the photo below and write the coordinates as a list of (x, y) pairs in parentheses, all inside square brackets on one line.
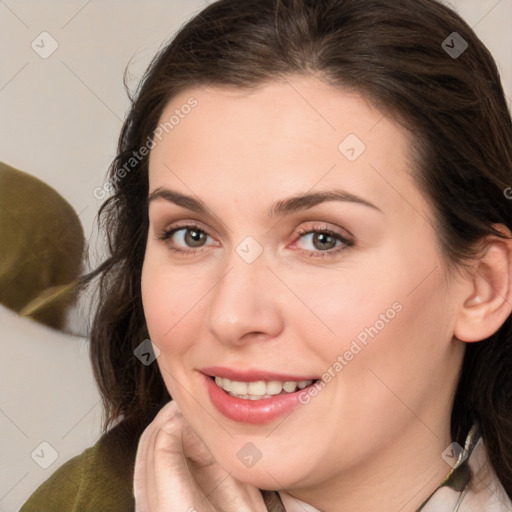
[(489, 302)]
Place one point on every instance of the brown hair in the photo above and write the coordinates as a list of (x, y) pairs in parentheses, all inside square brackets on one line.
[(391, 52)]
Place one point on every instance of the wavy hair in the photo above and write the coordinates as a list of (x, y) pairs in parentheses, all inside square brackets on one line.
[(392, 53)]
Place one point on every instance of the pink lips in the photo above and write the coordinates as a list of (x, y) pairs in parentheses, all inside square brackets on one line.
[(260, 411), (252, 375)]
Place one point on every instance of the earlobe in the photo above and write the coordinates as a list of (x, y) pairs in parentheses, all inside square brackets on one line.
[(489, 303)]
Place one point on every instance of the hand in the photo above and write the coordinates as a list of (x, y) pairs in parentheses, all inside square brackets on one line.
[(175, 472)]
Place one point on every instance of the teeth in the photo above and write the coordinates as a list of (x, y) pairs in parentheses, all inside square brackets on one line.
[(259, 389), (226, 384), (238, 388), (274, 387), (290, 386)]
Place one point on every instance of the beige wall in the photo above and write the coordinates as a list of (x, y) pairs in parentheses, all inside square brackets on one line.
[(60, 118)]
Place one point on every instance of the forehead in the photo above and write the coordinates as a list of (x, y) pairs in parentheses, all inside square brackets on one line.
[(282, 138)]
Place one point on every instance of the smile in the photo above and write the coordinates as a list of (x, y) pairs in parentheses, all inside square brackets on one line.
[(254, 396), (260, 389)]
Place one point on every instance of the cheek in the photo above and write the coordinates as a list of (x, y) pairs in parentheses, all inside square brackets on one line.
[(165, 308), (356, 303), (400, 353), (165, 302), (165, 293), (173, 299), (154, 300), (391, 315)]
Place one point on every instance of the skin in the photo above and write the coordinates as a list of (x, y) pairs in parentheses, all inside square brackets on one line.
[(372, 438)]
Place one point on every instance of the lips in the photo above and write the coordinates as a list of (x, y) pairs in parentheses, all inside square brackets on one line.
[(251, 375), (261, 407)]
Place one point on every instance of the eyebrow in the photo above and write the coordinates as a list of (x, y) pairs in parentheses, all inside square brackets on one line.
[(278, 209)]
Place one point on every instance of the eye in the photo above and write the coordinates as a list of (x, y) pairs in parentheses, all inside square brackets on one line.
[(189, 239), (184, 236), (323, 242)]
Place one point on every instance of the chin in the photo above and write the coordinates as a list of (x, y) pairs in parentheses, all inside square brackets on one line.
[(274, 473)]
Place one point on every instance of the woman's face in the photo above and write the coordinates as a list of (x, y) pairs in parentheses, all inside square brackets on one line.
[(301, 250)]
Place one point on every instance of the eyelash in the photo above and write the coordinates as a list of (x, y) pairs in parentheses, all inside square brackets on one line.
[(346, 243)]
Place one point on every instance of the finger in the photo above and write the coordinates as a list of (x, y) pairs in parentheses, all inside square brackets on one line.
[(178, 472), (185, 444), (194, 447), (168, 482), (143, 474), (140, 472), (201, 471), (169, 469)]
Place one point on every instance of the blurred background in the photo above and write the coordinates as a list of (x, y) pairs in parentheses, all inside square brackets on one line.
[(62, 103)]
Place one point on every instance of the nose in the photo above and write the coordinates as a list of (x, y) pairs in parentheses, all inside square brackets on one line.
[(244, 304)]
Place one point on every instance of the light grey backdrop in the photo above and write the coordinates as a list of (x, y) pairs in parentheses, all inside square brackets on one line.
[(60, 115)]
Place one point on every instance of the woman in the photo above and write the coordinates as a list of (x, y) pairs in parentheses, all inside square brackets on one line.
[(310, 223)]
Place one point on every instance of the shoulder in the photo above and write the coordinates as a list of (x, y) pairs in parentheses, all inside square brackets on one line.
[(100, 478)]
